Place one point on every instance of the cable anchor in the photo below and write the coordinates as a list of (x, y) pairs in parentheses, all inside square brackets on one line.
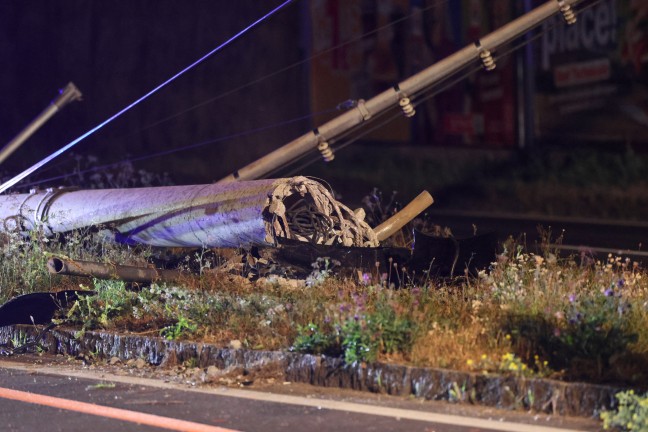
[(486, 57), (324, 147), (567, 11)]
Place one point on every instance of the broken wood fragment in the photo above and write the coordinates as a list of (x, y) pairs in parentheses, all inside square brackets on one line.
[(403, 217)]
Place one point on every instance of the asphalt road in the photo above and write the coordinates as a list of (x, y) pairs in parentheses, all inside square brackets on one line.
[(52, 398)]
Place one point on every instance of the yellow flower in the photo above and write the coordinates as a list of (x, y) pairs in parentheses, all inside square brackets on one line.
[(507, 337), (484, 356), (469, 362)]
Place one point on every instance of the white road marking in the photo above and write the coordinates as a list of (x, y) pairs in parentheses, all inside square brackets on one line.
[(295, 400)]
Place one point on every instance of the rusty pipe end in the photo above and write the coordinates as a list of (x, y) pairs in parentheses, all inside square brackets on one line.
[(55, 265)]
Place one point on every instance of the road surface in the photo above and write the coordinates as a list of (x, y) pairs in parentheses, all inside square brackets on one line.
[(61, 397)]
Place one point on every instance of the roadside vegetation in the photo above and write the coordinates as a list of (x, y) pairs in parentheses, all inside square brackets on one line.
[(528, 314)]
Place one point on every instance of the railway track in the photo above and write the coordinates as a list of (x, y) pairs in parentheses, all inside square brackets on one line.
[(596, 237)]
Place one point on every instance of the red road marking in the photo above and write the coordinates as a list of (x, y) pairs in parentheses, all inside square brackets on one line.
[(110, 412)]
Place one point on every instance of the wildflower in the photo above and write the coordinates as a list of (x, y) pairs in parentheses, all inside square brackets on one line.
[(366, 278), (507, 337), (469, 362), (609, 292)]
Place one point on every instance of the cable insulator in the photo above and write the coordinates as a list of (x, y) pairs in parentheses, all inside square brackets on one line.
[(326, 150), (407, 107), (567, 11), (487, 60)]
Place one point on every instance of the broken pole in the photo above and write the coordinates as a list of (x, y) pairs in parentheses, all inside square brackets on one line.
[(242, 214)]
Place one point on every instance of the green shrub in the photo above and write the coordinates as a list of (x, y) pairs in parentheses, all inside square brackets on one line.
[(631, 414)]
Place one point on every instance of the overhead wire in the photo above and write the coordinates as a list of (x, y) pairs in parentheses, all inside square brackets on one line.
[(183, 148), (71, 144), (417, 99), (266, 77)]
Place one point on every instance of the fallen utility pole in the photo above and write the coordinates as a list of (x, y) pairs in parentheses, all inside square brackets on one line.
[(402, 94), (243, 214), (69, 93)]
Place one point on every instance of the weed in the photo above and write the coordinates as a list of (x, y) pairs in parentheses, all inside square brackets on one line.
[(101, 386), (311, 339), (182, 327), (631, 414)]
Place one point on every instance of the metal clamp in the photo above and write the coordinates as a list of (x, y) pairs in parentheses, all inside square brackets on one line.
[(486, 57), (567, 11), (366, 115), (323, 146), (41, 212)]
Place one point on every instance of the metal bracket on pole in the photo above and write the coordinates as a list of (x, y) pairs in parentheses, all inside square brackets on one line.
[(567, 11), (366, 115), (69, 93), (323, 146), (486, 57)]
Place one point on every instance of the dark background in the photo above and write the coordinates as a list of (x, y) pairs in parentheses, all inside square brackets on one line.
[(116, 51), (259, 93)]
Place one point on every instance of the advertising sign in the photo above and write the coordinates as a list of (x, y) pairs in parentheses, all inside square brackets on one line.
[(392, 40), (592, 77)]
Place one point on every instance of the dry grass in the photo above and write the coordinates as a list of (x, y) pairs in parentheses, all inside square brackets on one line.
[(572, 318)]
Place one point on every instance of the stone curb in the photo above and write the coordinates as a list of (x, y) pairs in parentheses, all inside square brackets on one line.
[(500, 391)]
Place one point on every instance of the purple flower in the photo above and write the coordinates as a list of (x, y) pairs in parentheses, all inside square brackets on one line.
[(621, 282), (609, 292), (572, 298), (366, 278)]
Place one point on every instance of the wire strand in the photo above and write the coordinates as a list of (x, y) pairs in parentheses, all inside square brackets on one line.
[(68, 146)]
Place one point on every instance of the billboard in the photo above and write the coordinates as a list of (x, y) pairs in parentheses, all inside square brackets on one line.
[(392, 40), (590, 80), (592, 77)]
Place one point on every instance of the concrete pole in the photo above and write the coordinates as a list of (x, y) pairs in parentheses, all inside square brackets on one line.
[(401, 93)]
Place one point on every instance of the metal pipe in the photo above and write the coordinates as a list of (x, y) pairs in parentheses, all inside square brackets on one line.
[(111, 271), (391, 97), (242, 214), (66, 95)]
